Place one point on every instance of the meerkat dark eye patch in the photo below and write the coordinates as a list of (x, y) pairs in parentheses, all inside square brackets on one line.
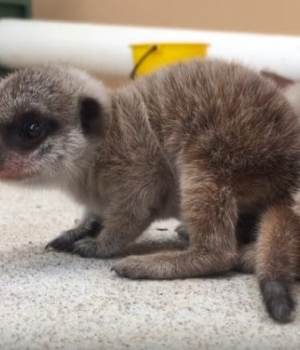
[(29, 130), (91, 116)]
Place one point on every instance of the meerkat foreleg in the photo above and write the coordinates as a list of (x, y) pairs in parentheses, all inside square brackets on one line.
[(122, 225), (209, 212)]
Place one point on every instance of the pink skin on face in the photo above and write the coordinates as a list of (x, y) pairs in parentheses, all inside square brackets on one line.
[(16, 167)]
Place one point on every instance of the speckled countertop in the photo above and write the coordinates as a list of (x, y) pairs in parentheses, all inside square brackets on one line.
[(56, 301)]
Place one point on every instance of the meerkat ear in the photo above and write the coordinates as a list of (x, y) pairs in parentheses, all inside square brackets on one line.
[(279, 80), (91, 116)]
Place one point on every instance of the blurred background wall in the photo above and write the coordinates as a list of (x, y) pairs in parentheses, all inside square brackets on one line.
[(269, 16)]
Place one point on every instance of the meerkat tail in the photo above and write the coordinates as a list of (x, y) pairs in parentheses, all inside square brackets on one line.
[(276, 261)]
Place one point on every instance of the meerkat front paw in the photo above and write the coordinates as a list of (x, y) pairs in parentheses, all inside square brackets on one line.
[(91, 227), (86, 248), (64, 242), (91, 248)]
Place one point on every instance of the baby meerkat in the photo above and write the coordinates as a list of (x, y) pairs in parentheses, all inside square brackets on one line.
[(206, 142)]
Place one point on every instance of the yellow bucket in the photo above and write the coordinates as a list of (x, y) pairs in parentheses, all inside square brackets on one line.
[(150, 57)]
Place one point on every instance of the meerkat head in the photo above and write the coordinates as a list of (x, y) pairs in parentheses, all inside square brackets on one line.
[(49, 117)]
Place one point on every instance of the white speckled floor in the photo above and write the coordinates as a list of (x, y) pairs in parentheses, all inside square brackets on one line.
[(58, 301)]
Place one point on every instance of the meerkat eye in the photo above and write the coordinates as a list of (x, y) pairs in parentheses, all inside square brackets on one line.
[(31, 129)]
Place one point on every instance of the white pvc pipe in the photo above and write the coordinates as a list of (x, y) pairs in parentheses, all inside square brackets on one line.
[(105, 49)]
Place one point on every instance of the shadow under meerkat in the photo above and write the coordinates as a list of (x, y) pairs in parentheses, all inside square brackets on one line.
[(206, 142)]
